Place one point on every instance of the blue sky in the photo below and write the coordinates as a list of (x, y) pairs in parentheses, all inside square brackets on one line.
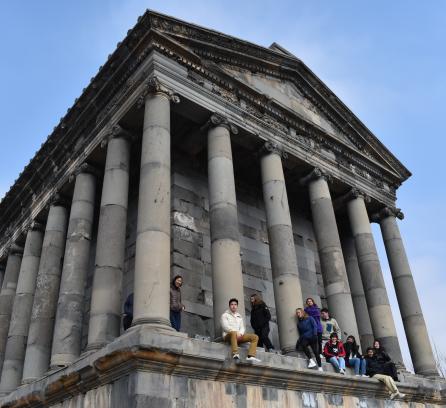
[(385, 60)]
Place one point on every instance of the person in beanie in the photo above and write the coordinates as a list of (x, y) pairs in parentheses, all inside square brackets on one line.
[(176, 307), (312, 309), (376, 370), (334, 353), (260, 318), (307, 328)]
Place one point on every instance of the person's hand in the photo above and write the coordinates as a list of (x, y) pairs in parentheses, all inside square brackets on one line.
[(183, 307), (239, 336)]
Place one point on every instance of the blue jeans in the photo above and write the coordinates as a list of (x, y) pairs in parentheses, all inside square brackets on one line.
[(175, 319), (338, 363), (359, 365)]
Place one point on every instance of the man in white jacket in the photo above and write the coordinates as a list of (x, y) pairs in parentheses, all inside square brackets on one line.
[(234, 332)]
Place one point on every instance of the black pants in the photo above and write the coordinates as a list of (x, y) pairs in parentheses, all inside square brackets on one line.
[(305, 344), (389, 368), (319, 342), (127, 321), (264, 340)]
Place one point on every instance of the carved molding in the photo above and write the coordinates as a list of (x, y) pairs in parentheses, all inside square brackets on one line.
[(15, 249), (84, 168), (315, 174), (117, 131), (217, 120), (273, 148), (387, 212), (154, 86)]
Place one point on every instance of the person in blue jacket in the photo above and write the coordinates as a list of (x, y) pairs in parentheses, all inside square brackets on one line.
[(307, 328), (313, 310)]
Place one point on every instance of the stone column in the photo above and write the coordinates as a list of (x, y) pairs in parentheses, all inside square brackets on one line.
[(2, 274), (105, 312), (152, 258), (372, 278), (7, 294), (227, 281), (406, 293), (359, 302), (40, 335), (337, 289), (21, 311), (70, 307), (287, 289)]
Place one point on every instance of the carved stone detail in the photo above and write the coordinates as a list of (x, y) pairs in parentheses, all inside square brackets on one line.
[(275, 148), (15, 249), (114, 131), (219, 120), (84, 168), (315, 174), (154, 86), (387, 212)]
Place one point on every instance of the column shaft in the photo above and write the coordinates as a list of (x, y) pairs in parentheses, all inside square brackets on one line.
[(21, 312), (7, 295), (152, 258), (40, 335), (372, 279), (359, 302), (337, 289), (408, 301), (105, 312), (286, 283), (227, 281), (70, 307)]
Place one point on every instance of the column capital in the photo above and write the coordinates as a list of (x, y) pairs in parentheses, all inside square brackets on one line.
[(273, 148), (85, 168), (117, 131), (59, 199), (154, 86), (387, 212), (217, 120), (15, 249), (348, 196), (315, 174), (35, 226)]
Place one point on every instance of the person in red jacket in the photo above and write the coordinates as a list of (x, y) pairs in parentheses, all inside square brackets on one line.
[(334, 352)]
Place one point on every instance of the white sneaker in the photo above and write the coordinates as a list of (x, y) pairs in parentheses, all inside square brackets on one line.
[(236, 357), (321, 356), (311, 363), (341, 371), (320, 369), (393, 395), (364, 375), (253, 359), (357, 375), (401, 395)]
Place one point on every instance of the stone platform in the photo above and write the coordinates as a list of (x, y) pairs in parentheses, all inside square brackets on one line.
[(147, 367)]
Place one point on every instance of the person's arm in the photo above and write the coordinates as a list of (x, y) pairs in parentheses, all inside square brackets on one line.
[(313, 325), (242, 326), (267, 313), (225, 323), (327, 352), (341, 352), (386, 357), (337, 329)]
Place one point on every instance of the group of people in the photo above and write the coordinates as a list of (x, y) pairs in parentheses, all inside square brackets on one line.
[(319, 334)]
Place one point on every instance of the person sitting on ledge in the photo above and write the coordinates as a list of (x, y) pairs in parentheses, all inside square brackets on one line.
[(234, 332), (329, 325), (376, 370), (353, 357), (334, 353), (385, 360), (307, 328)]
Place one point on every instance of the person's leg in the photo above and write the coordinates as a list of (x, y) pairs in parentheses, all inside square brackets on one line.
[(363, 367), (319, 343), (127, 321), (341, 362), (175, 320), (303, 345), (315, 348), (232, 339), (355, 363), (253, 340), (172, 319), (334, 363), (387, 381), (259, 333), (265, 338)]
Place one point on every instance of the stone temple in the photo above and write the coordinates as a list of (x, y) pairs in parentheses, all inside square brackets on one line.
[(195, 153)]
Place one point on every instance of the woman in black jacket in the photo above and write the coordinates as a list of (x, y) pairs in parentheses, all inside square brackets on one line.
[(353, 357), (384, 359), (260, 317)]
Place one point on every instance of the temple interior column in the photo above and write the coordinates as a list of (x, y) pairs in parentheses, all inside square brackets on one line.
[(152, 258), (11, 376), (409, 304), (375, 291), (227, 280), (7, 294), (105, 312), (70, 307), (337, 288), (357, 290), (287, 288), (41, 328)]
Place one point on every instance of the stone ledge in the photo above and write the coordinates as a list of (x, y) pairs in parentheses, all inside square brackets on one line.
[(152, 350)]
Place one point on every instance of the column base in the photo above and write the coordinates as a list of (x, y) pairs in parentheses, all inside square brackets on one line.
[(156, 322)]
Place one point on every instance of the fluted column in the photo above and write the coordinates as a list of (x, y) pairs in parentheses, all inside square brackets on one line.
[(11, 376), (2, 274), (372, 278), (70, 307), (105, 311), (286, 283), (152, 258), (7, 294), (406, 293), (227, 281), (40, 334), (359, 302), (337, 289)]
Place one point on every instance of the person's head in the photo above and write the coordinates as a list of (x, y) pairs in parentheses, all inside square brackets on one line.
[(370, 352), (177, 281), (310, 302), (325, 314), (233, 305), (255, 299), (301, 314), (334, 338), (376, 344), (351, 339)]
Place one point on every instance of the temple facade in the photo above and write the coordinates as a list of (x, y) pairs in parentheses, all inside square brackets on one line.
[(194, 153)]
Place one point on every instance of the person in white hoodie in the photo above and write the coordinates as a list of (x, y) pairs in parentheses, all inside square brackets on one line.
[(234, 332)]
